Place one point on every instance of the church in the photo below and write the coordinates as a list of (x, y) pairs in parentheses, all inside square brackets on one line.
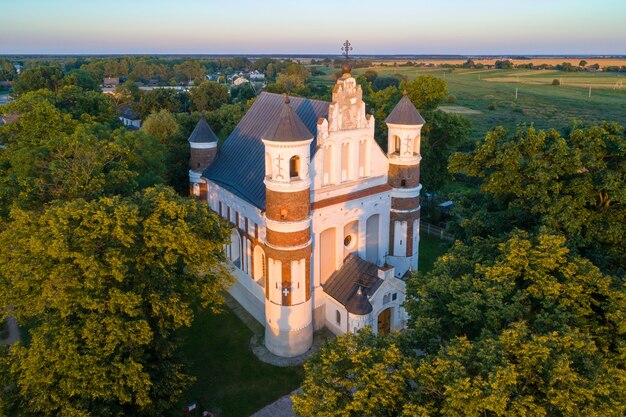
[(325, 223)]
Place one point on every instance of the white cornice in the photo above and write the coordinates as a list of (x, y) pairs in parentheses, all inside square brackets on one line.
[(197, 145)]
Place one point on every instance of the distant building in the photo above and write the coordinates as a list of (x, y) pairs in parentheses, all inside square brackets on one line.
[(256, 75), (130, 119), (111, 81), (18, 68), (239, 81), (325, 223)]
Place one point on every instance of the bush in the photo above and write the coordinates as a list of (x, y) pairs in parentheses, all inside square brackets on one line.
[(492, 106), (452, 99), (556, 82)]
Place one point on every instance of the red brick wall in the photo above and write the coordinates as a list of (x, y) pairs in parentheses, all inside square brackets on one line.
[(201, 158), (287, 207), (405, 203), (287, 239), (410, 174)]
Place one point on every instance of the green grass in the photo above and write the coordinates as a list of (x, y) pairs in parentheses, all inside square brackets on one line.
[(539, 102), (430, 249), (229, 378)]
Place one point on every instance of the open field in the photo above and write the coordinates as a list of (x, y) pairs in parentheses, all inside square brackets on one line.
[(603, 62), (538, 101)]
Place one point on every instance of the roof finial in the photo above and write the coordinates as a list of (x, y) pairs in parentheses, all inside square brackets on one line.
[(286, 98), (359, 292), (404, 92)]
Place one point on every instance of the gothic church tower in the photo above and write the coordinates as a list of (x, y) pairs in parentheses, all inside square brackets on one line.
[(288, 311), (404, 125)]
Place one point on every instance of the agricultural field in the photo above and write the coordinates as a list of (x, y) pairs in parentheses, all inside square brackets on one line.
[(487, 96)]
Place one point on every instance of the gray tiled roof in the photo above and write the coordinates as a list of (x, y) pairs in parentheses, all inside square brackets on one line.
[(202, 133), (287, 127), (127, 113), (240, 162), (343, 285), (405, 113)]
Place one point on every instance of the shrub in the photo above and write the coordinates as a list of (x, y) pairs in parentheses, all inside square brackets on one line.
[(556, 82), (452, 99), (492, 106)]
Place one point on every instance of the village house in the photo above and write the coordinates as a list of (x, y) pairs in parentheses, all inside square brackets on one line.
[(325, 223), (129, 118), (110, 81)]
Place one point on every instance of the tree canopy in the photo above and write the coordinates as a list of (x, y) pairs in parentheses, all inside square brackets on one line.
[(105, 285), (523, 316)]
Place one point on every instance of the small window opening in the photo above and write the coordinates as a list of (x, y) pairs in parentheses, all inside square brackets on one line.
[(394, 297), (347, 240), (294, 167), (338, 317), (403, 183), (283, 214)]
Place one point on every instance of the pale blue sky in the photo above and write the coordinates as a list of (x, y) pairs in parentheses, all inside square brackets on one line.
[(309, 27)]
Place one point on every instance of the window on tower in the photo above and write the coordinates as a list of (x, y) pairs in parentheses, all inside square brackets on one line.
[(294, 167)]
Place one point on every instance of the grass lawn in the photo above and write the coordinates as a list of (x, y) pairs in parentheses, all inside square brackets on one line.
[(430, 249), (229, 378)]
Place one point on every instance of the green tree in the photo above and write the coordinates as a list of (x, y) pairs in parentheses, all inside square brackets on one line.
[(427, 92), (518, 324), (224, 119), (107, 284), (157, 99), (82, 79), (39, 78), (356, 375), (50, 156), (192, 71), (208, 96), (441, 136), (292, 78), (161, 125), (370, 75), (572, 184)]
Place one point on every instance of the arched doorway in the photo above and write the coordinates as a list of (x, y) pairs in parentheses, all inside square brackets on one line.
[(384, 321)]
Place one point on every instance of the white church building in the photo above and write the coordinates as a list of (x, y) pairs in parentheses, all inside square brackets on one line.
[(325, 222)]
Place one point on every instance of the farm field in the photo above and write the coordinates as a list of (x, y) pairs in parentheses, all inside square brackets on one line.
[(538, 101)]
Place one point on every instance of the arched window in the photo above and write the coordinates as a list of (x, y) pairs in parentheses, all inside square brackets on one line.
[(235, 248), (397, 144), (294, 167), (268, 165), (327, 168), (416, 145), (259, 266)]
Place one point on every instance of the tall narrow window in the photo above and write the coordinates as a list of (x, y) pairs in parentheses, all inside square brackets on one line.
[(398, 144), (294, 167)]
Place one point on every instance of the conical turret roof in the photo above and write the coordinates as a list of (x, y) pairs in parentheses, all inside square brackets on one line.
[(287, 127), (202, 133), (405, 113)]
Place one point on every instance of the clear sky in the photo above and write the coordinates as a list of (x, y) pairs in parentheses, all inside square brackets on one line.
[(315, 26)]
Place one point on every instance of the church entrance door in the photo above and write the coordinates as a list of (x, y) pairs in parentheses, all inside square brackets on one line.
[(384, 321)]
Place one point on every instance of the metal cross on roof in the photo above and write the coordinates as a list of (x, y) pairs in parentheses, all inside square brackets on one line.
[(346, 48)]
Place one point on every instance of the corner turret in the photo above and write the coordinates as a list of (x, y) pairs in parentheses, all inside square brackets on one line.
[(288, 311), (403, 151), (203, 143)]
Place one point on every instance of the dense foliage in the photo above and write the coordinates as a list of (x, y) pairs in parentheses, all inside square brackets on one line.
[(105, 285), (523, 317)]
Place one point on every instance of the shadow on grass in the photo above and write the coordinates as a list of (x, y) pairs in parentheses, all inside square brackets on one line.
[(430, 249), (229, 378)]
